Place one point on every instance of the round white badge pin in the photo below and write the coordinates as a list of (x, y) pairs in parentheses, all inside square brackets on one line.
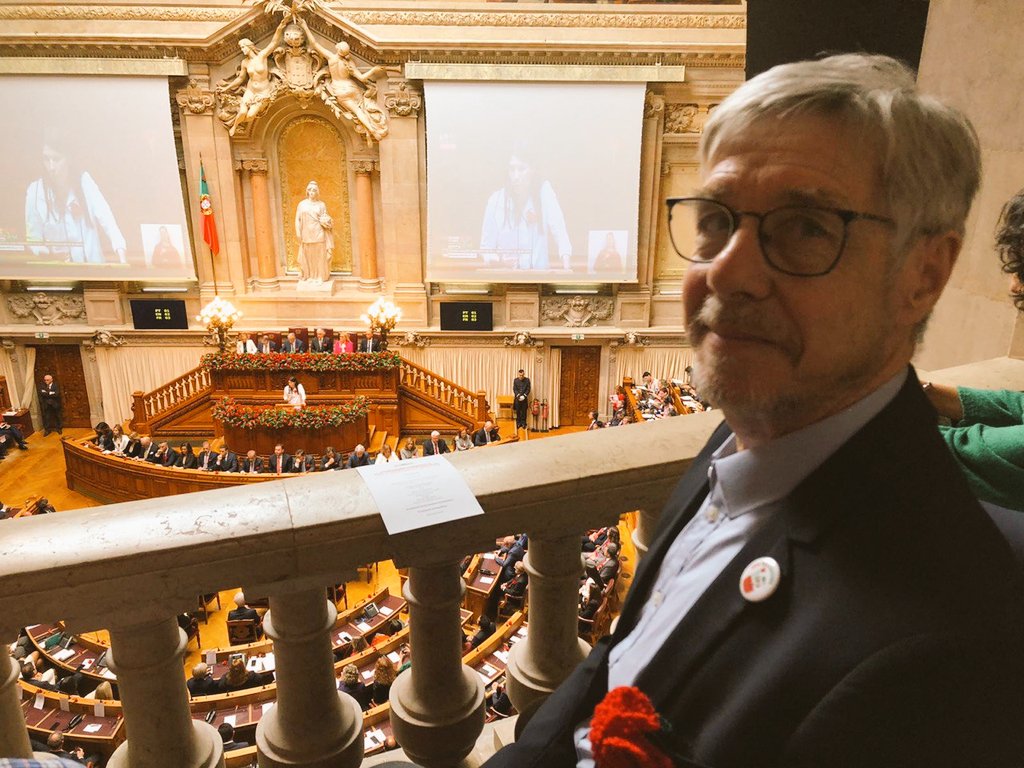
[(760, 579)]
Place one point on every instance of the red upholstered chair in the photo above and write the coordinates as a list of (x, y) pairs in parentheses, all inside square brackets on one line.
[(303, 334)]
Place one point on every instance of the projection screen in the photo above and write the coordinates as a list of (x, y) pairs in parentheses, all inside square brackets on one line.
[(91, 187), (533, 182)]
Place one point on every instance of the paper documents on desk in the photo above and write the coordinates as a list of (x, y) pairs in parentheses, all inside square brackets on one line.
[(417, 494)]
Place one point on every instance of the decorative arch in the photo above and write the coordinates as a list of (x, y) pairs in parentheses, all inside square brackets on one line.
[(309, 147)]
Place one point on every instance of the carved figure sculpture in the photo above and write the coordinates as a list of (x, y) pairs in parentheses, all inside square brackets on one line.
[(316, 242), (350, 94), (578, 311), (46, 310), (254, 75)]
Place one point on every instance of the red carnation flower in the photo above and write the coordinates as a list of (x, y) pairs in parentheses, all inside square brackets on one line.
[(621, 728)]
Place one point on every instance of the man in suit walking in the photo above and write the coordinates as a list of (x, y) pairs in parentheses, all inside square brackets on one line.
[(368, 343), (823, 588), (520, 398), (293, 345), (435, 445), (51, 406), (321, 342)]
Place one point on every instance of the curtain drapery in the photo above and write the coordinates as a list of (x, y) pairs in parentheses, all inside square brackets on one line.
[(124, 370), (662, 362), (14, 387)]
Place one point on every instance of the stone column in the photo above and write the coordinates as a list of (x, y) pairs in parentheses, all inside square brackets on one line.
[(243, 234), (13, 733), (147, 659), (262, 224), (402, 166), (552, 649), (437, 706), (366, 221), (646, 527), (312, 724)]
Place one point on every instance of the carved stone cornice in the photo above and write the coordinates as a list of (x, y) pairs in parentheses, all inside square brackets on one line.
[(402, 100), (195, 98), (364, 165), (255, 165), (632, 20), (117, 13)]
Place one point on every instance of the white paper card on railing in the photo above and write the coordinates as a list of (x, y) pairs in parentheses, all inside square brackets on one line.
[(98, 709), (211, 658), (65, 705), (416, 494)]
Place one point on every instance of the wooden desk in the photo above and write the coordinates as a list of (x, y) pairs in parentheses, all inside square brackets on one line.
[(22, 419), (480, 586)]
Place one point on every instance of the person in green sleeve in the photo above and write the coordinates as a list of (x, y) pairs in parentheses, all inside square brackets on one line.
[(987, 431), (987, 439)]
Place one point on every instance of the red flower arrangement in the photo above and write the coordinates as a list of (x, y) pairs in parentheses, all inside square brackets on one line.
[(622, 729), (231, 412), (276, 361)]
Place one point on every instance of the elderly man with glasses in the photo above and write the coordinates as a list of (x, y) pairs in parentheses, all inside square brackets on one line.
[(823, 590)]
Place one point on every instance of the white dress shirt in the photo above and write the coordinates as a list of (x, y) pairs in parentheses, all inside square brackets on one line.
[(746, 489)]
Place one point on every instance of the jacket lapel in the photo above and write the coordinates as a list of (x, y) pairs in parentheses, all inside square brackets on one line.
[(681, 507)]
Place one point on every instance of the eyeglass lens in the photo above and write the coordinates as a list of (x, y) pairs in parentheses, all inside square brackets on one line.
[(797, 240)]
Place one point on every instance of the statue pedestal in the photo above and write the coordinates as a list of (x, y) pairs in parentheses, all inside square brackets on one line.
[(325, 287)]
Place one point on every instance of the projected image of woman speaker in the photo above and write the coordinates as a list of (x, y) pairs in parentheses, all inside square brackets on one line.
[(66, 215), (523, 221)]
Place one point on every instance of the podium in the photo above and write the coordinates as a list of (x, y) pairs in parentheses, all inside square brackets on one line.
[(259, 381)]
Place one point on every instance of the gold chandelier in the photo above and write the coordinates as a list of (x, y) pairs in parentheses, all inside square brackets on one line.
[(219, 316)]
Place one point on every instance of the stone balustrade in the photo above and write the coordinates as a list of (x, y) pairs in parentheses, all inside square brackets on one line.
[(131, 567)]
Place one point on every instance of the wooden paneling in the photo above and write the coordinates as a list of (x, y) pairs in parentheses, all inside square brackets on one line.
[(64, 363), (313, 441), (580, 382)]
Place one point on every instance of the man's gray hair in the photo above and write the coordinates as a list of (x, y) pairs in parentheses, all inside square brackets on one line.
[(929, 156)]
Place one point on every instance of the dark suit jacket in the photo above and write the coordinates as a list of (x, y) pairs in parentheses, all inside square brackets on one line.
[(303, 464), (893, 639), (257, 461), (243, 614), (428, 447), (336, 465), (297, 348), (271, 464), (369, 345), (202, 455), (270, 347), (149, 454), (186, 461), (170, 459), (354, 461), (520, 387), (316, 346), (49, 397), (228, 462), (480, 436)]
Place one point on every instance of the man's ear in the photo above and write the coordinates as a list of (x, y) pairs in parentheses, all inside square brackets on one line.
[(926, 270)]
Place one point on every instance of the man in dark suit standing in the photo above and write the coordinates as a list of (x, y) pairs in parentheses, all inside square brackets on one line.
[(369, 344), (520, 398), (486, 435), (321, 342), (280, 462), (435, 445), (252, 464), (293, 345), (51, 405), (823, 588)]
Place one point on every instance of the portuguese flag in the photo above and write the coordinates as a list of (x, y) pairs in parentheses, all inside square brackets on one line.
[(206, 208)]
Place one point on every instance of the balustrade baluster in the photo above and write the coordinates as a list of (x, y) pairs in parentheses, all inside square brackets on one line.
[(147, 659), (312, 724), (437, 707), (552, 649), (13, 733)]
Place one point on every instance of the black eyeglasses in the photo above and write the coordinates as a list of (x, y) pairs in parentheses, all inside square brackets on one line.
[(799, 240)]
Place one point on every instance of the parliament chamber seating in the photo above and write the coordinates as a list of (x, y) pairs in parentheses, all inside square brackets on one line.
[(145, 561)]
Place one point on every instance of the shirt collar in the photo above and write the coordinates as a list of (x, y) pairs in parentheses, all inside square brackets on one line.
[(746, 480)]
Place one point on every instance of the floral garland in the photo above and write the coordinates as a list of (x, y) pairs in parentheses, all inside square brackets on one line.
[(624, 731), (231, 412), (278, 361)]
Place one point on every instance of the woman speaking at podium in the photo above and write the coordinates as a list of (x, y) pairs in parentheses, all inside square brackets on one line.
[(294, 394)]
